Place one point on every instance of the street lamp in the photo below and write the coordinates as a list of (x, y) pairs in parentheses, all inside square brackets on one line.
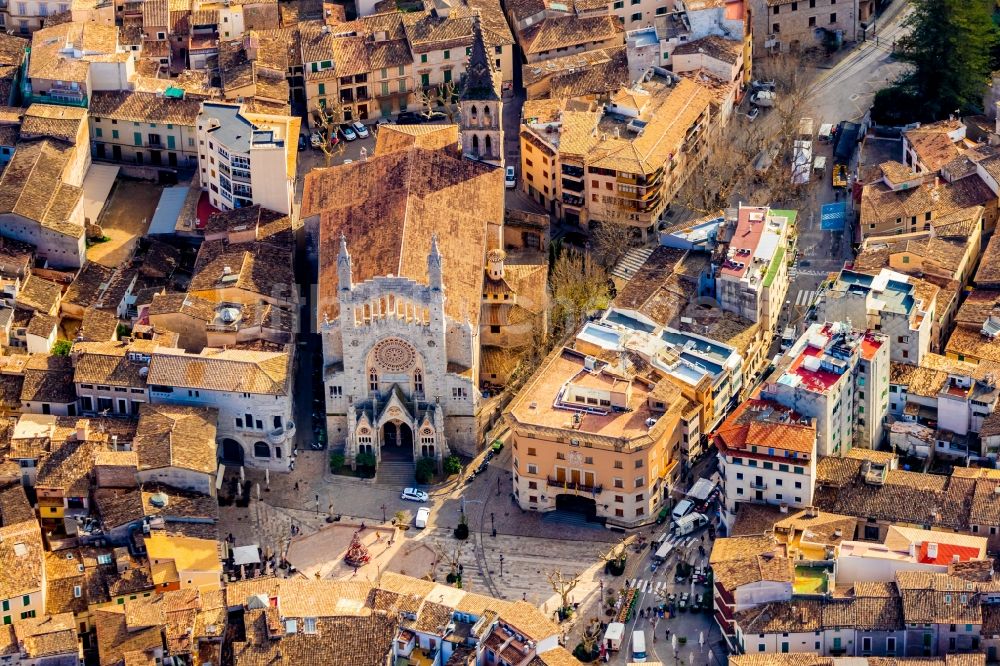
[(383, 512), (493, 523), (501, 565), (498, 486)]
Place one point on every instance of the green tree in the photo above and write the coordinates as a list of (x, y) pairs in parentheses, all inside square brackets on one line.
[(425, 470), (950, 46), (365, 461), (336, 461), (62, 347), (452, 465)]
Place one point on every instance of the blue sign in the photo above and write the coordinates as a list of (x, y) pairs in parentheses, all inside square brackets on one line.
[(833, 216)]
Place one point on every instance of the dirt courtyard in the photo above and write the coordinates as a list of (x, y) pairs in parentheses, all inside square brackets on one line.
[(125, 219)]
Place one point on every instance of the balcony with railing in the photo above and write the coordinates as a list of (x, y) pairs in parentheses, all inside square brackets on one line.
[(55, 95), (280, 434), (566, 484), (572, 171), (758, 485), (572, 200), (573, 185)]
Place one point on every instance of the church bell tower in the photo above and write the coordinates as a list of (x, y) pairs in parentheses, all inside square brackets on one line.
[(481, 105)]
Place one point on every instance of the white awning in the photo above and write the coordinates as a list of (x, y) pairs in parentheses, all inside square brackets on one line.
[(246, 555)]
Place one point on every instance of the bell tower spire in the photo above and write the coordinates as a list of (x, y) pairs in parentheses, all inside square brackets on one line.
[(481, 104)]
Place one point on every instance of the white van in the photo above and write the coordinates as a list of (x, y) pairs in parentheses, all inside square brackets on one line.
[(691, 522), (423, 513), (638, 646), (663, 552), (683, 508), (613, 636)]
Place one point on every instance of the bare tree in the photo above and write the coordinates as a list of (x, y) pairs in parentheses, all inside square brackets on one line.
[(437, 101), (328, 119), (610, 240), (591, 635), (579, 285), (562, 586), (617, 554), (753, 160), (451, 558)]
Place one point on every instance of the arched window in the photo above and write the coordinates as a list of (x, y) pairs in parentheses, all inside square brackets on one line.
[(489, 146), (472, 112), (418, 381), (475, 144), (261, 450), (373, 380), (486, 116)]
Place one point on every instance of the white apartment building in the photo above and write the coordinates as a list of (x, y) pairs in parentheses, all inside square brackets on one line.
[(752, 278), (838, 376), (887, 302), (252, 390), (767, 454), (247, 158)]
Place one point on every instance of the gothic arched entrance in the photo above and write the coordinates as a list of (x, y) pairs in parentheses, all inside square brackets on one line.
[(397, 441)]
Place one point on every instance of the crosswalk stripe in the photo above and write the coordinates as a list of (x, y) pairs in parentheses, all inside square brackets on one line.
[(805, 297)]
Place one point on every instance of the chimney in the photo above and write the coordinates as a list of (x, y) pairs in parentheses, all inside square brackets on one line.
[(82, 430), (932, 550), (937, 181)]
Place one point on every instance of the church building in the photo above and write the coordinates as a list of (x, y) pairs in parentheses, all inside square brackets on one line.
[(410, 242)]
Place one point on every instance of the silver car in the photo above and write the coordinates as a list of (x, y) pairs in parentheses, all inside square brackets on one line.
[(414, 495)]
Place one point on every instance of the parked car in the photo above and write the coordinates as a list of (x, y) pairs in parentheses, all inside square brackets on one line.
[(302, 142), (414, 495), (360, 129), (315, 140), (682, 605), (763, 98), (510, 178), (348, 132), (762, 85), (753, 113), (423, 513), (409, 118)]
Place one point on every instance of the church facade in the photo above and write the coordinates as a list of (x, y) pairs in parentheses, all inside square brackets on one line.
[(388, 370), (411, 279)]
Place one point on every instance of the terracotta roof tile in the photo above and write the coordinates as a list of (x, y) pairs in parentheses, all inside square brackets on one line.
[(21, 559), (226, 370), (176, 436), (32, 186), (430, 192), (144, 107)]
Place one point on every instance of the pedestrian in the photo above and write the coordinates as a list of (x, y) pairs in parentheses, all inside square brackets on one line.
[(668, 632), (296, 486)]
